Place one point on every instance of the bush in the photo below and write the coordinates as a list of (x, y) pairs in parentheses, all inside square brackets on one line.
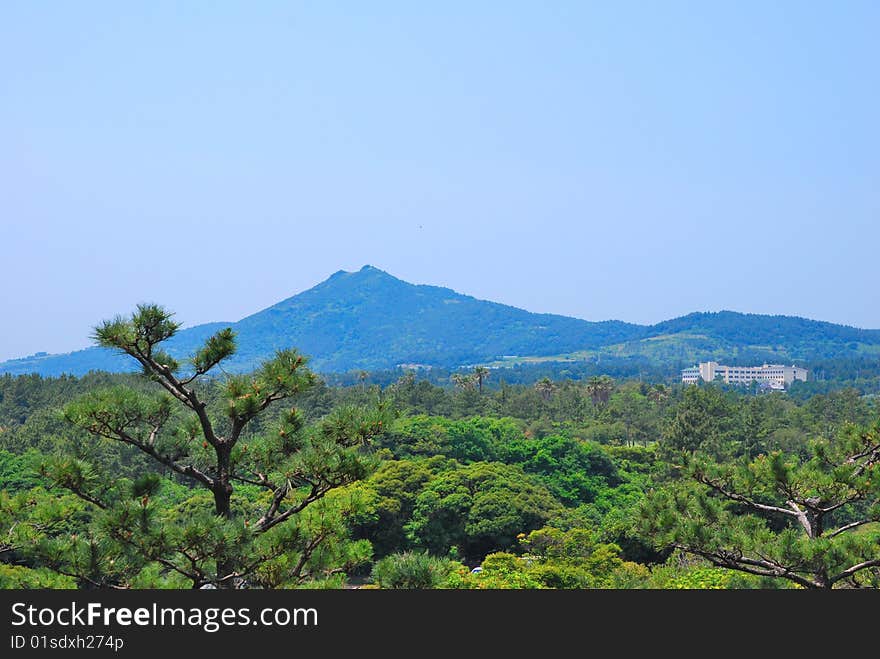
[(412, 570), (20, 577)]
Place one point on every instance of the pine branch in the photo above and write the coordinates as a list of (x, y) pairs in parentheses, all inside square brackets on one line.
[(761, 568), (855, 568), (239, 421), (850, 499), (802, 518), (84, 495), (261, 482), (190, 399), (173, 386), (217, 348), (197, 576), (306, 554), (249, 569), (739, 498), (189, 471), (271, 520), (848, 527), (89, 580), (872, 453)]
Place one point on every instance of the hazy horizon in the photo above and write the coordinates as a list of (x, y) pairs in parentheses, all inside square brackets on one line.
[(633, 161)]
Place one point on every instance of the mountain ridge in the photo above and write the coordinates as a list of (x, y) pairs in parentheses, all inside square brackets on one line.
[(368, 319)]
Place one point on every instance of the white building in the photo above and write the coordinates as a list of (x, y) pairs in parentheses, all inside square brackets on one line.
[(776, 375)]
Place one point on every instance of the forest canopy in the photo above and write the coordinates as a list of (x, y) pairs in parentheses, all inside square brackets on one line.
[(183, 476)]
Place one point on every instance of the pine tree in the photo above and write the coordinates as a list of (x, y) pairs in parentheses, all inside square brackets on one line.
[(813, 522), (273, 519)]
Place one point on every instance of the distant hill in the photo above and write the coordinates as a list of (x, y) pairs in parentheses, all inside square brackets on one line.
[(739, 338), (371, 320)]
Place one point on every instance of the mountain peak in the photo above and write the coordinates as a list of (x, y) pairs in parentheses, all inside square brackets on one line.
[(371, 270), (369, 319), (365, 270)]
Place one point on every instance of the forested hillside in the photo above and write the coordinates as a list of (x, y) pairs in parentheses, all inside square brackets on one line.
[(556, 484), (370, 320)]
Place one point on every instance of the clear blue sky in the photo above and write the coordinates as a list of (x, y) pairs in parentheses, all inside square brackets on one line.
[(603, 160)]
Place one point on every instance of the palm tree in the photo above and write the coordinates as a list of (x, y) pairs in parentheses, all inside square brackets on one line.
[(545, 387), (658, 393), (462, 381), (599, 389), (481, 373)]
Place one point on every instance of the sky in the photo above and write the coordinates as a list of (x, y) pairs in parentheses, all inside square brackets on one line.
[(605, 160)]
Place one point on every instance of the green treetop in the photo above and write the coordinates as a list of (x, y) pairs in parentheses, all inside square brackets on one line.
[(814, 522), (265, 535)]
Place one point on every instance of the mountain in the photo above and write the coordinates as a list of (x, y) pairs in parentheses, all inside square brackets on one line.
[(81, 362), (371, 320), (728, 336)]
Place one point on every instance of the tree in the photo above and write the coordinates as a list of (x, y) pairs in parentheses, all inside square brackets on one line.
[(478, 508), (634, 410), (481, 373), (575, 472), (362, 377), (702, 420), (575, 558), (545, 387), (390, 496), (599, 389), (214, 448), (658, 393), (813, 522), (462, 381), (466, 440)]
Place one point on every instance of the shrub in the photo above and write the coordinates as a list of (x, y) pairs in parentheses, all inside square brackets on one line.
[(412, 570)]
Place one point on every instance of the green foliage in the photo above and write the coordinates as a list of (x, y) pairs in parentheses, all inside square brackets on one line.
[(544, 486), (815, 522), (478, 508), (465, 440), (263, 510), (390, 499), (575, 558), (700, 422), (499, 571), (683, 572), (698, 578), (555, 559), (575, 472), (17, 472), (412, 570), (18, 577), (218, 347)]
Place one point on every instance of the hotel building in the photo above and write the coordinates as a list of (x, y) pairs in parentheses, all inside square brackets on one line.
[(776, 375)]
